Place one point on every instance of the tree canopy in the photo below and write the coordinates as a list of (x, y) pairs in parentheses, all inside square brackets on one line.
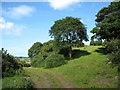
[(35, 49), (108, 22), (69, 29)]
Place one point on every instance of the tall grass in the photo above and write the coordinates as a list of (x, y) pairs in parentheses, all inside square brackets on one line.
[(17, 82)]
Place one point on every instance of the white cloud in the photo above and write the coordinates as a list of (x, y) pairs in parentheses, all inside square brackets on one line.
[(18, 12), (10, 28), (61, 4)]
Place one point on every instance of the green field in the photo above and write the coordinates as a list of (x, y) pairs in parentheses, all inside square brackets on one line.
[(88, 69)]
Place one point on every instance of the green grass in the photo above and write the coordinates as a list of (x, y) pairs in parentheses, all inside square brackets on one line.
[(88, 69), (55, 82), (26, 60), (0, 83), (17, 82), (38, 74)]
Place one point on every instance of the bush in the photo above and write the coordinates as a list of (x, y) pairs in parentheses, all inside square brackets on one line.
[(78, 44), (64, 50), (23, 63), (35, 49), (96, 43), (115, 57), (54, 60), (113, 47), (105, 43), (37, 61), (17, 82), (9, 64)]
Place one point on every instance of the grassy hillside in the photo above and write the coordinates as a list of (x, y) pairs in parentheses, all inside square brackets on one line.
[(88, 69)]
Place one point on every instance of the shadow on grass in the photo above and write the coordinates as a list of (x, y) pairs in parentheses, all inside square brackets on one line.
[(102, 50), (78, 53)]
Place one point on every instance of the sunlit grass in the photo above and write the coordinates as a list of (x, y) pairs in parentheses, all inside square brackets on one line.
[(90, 69)]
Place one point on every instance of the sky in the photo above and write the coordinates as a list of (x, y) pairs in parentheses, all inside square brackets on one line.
[(24, 23)]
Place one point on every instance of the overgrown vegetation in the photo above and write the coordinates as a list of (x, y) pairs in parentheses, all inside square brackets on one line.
[(96, 43), (113, 48), (54, 60), (17, 82), (9, 64), (12, 72)]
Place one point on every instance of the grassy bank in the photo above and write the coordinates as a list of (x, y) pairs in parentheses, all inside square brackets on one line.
[(88, 69)]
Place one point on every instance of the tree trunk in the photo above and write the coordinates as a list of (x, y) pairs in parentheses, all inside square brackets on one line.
[(70, 53)]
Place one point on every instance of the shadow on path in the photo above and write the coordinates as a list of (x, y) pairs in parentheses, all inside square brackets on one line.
[(102, 50), (78, 53)]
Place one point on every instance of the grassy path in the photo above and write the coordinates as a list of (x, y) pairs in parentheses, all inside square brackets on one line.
[(39, 78), (89, 69), (46, 79), (64, 83)]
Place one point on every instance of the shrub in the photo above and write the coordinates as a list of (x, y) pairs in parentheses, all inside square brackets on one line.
[(96, 43), (37, 61), (77, 44), (48, 46), (64, 50), (35, 49), (17, 82), (9, 64), (105, 43), (113, 47), (23, 63), (115, 57), (54, 60)]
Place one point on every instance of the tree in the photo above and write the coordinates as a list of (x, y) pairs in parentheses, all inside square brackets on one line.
[(67, 31), (35, 49), (108, 22), (108, 29)]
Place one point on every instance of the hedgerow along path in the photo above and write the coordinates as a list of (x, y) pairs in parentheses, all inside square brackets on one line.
[(89, 69)]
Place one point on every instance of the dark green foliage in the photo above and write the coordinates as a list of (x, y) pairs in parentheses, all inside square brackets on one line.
[(115, 57), (9, 64), (108, 29), (113, 47), (38, 61), (35, 49), (105, 43), (64, 50), (108, 22), (47, 49), (96, 43), (48, 46), (68, 30), (17, 82), (78, 44), (54, 60)]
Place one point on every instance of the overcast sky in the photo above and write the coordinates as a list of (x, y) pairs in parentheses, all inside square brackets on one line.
[(24, 23)]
